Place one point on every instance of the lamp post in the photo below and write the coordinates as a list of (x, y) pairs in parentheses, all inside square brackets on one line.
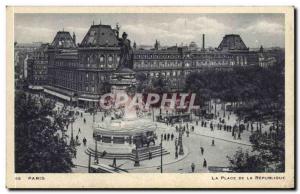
[(96, 153), (89, 164), (181, 152), (72, 143), (94, 116), (161, 154), (152, 114), (136, 160)]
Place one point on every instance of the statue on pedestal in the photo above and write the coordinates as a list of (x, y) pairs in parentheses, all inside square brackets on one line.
[(126, 58)]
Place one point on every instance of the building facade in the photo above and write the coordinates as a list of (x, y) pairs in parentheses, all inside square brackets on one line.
[(80, 73), (175, 63), (37, 67)]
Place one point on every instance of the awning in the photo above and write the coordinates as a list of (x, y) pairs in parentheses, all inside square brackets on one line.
[(88, 99), (57, 94), (35, 87)]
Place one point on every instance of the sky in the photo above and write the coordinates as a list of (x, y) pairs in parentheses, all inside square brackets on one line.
[(169, 29)]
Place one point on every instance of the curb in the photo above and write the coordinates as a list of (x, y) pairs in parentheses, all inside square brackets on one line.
[(245, 144)]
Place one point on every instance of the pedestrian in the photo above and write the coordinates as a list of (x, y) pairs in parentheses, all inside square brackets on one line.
[(193, 167), (84, 141), (176, 154), (84, 121), (204, 163), (193, 128), (81, 114), (150, 155), (75, 153), (114, 162), (213, 142), (79, 131), (202, 150)]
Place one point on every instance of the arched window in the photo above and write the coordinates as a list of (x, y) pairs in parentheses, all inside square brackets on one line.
[(101, 59), (110, 59)]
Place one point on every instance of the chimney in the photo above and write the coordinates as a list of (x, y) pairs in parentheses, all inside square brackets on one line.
[(203, 42), (74, 38)]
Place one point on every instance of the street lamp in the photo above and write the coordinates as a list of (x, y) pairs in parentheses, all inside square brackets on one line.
[(161, 154), (94, 116), (136, 159), (181, 152), (72, 142), (152, 114), (96, 152)]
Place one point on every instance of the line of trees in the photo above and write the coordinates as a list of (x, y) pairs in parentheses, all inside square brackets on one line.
[(255, 92), (257, 96)]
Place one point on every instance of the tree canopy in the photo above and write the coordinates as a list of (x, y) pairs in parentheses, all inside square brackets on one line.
[(39, 145)]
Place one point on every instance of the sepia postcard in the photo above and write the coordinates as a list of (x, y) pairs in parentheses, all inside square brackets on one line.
[(150, 97)]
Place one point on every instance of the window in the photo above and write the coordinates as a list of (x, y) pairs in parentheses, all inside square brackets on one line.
[(101, 59), (110, 59)]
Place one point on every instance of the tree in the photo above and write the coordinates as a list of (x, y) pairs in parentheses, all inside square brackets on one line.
[(39, 144), (245, 162), (142, 82), (268, 151)]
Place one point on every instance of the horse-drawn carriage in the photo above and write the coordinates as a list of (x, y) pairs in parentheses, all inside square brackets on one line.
[(145, 139)]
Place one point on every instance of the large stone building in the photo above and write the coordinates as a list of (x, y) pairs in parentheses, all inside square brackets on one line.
[(80, 73), (175, 63)]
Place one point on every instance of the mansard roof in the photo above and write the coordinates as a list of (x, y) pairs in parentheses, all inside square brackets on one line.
[(100, 35), (232, 42), (63, 40)]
